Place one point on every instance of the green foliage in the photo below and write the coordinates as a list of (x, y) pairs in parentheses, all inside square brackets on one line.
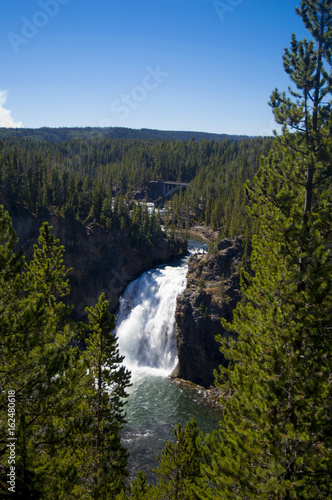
[(215, 195), (213, 248), (36, 354), (203, 311), (139, 489), (201, 284), (78, 133), (92, 180), (68, 406), (105, 400), (179, 467), (276, 438), (179, 473), (145, 228)]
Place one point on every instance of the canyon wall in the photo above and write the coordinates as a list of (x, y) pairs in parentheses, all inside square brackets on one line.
[(102, 260), (212, 292)]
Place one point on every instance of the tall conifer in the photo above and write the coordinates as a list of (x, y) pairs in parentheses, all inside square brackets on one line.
[(39, 364), (105, 399), (276, 441)]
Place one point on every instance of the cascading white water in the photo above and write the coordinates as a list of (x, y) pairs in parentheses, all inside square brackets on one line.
[(146, 321), (146, 337)]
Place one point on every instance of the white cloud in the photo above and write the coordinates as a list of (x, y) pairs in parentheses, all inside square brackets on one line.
[(6, 119)]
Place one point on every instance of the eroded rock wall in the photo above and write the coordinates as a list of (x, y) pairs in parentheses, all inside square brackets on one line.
[(102, 260), (212, 292)]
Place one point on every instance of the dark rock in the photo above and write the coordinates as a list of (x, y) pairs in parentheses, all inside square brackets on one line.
[(225, 243), (102, 260), (213, 290)]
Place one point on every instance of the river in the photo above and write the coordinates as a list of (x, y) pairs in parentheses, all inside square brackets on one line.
[(146, 336)]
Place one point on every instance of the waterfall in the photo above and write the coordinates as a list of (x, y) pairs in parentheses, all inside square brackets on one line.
[(146, 337), (146, 320)]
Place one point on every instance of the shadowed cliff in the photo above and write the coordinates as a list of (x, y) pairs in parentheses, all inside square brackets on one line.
[(102, 260), (212, 292)]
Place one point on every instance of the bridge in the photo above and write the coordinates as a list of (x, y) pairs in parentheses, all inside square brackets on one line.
[(170, 187)]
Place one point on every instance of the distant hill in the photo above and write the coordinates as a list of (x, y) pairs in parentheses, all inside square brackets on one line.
[(70, 133)]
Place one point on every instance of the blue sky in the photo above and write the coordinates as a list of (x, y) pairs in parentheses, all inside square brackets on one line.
[(199, 65)]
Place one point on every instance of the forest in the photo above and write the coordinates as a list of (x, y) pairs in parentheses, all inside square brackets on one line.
[(98, 179), (62, 408), (67, 134)]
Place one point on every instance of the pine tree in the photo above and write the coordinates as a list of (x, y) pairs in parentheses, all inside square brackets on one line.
[(309, 115), (139, 489), (276, 441), (35, 358), (179, 465), (41, 365), (10, 283), (107, 458), (179, 470), (45, 361)]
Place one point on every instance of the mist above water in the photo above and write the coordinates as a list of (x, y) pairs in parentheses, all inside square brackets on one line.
[(146, 321)]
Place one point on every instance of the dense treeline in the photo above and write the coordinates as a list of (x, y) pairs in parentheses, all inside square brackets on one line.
[(62, 410), (70, 133), (75, 180), (83, 178), (60, 423), (216, 196)]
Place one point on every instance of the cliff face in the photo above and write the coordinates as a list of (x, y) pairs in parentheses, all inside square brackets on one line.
[(102, 260), (212, 292)]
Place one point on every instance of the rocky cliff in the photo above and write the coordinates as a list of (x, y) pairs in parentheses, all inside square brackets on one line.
[(102, 260), (212, 292)]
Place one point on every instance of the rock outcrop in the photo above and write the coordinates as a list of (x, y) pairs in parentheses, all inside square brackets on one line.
[(102, 260), (212, 292)]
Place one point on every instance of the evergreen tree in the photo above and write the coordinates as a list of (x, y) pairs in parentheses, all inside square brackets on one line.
[(106, 458), (139, 489), (276, 441), (179, 466), (10, 283), (68, 407), (36, 359)]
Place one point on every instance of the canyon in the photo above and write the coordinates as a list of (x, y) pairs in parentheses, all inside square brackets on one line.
[(212, 292), (104, 261), (101, 260)]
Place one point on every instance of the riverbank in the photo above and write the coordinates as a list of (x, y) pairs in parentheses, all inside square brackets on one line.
[(210, 396), (204, 233)]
